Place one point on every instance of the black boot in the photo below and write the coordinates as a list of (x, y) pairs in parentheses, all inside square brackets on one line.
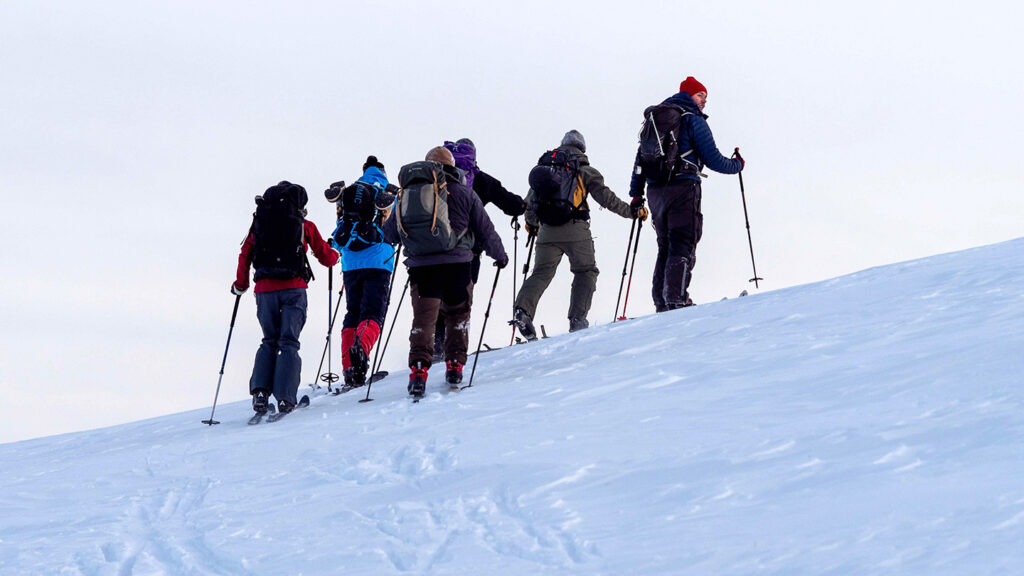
[(260, 401), (577, 324), (360, 364), (525, 324)]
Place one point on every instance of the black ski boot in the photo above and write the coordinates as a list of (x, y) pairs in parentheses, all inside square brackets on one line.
[(525, 325), (360, 364), (577, 324), (350, 377), (285, 407), (260, 401), (418, 381)]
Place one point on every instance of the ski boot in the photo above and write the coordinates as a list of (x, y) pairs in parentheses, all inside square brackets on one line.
[(453, 374), (418, 381), (260, 401), (284, 406), (577, 324), (525, 325), (360, 364)]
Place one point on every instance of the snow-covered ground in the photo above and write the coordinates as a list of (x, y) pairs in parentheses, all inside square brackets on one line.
[(870, 424)]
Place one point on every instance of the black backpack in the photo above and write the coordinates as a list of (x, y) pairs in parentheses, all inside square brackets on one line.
[(277, 229), (558, 188), (359, 226), (659, 155)]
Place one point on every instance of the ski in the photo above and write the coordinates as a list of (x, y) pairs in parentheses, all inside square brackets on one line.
[(258, 417), (304, 402)]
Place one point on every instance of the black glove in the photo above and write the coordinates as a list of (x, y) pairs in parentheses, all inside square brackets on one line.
[(520, 210), (502, 262)]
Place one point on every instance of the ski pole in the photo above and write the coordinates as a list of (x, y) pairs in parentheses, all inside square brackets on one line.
[(639, 227), (387, 307), (629, 244), (330, 378), (234, 313), (487, 314), (515, 266), (392, 329), (746, 218)]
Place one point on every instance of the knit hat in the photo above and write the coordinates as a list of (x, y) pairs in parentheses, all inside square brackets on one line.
[(574, 138), (372, 161), (691, 86)]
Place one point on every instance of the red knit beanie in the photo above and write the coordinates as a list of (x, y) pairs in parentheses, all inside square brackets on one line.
[(691, 86)]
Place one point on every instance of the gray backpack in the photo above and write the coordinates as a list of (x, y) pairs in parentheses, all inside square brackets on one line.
[(422, 210)]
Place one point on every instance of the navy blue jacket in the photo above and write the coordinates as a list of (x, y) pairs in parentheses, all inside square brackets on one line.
[(696, 135)]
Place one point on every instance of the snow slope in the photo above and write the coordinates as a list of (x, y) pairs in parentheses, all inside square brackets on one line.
[(871, 424)]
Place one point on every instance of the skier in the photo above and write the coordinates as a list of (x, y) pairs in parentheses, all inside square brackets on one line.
[(562, 226), (438, 221), (367, 262), (674, 187), (276, 246), (489, 189)]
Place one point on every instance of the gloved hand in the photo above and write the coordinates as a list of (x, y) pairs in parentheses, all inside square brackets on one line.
[(530, 229), (638, 208), (736, 155), (501, 263), (238, 291), (520, 210)]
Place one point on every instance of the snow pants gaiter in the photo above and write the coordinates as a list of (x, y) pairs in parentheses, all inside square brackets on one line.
[(678, 222), (441, 289), (366, 299), (277, 369), (582, 264)]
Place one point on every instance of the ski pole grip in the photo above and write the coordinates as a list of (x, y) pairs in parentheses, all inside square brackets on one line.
[(736, 154)]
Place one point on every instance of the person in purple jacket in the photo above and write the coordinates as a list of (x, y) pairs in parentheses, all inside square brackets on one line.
[(442, 281), (675, 204)]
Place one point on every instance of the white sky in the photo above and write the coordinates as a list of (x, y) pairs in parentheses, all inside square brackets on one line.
[(133, 137)]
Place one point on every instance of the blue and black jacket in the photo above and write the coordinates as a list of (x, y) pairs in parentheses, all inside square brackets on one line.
[(379, 255), (694, 135)]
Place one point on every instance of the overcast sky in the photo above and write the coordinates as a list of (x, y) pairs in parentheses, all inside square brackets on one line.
[(133, 137)]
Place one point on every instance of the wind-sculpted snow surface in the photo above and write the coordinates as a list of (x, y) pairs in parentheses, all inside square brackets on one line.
[(871, 424)]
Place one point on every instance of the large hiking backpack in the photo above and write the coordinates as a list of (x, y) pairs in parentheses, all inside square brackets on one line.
[(359, 226), (422, 210), (277, 229), (659, 155), (558, 188)]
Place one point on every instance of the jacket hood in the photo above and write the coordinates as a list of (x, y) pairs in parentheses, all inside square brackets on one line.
[(685, 101), (465, 158), (375, 177)]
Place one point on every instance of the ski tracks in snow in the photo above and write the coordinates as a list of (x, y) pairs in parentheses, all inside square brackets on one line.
[(161, 533)]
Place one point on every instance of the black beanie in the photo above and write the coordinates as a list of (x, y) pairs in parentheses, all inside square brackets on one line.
[(372, 161)]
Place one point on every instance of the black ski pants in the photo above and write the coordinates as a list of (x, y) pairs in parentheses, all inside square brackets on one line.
[(679, 224), (366, 296)]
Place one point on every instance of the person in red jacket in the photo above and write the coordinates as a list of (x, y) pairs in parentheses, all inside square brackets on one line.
[(282, 275)]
